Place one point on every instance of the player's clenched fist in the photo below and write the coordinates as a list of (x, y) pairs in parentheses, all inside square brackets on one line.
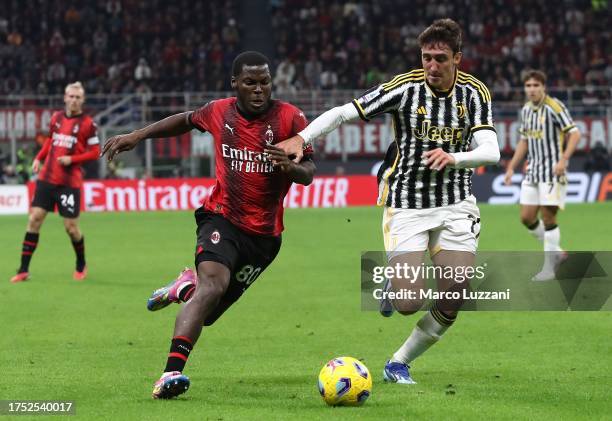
[(437, 159), (120, 143)]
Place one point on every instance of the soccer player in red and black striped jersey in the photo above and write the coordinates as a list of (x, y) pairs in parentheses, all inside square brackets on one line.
[(240, 224), (72, 141)]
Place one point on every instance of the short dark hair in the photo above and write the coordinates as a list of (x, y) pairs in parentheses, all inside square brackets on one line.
[(248, 58), (538, 75), (445, 31)]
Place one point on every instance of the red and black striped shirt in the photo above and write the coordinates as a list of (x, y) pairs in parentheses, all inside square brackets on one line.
[(74, 136), (249, 191)]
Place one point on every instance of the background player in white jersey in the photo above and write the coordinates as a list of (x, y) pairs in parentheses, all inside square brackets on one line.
[(544, 124), (438, 112)]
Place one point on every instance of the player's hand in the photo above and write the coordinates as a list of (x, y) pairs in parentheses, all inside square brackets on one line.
[(120, 143), (560, 167), (294, 146), (437, 159), (279, 158), (35, 166), (508, 176), (65, 160)]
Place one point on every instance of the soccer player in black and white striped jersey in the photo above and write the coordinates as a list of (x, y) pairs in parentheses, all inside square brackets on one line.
[(544, 125), (439, 113)]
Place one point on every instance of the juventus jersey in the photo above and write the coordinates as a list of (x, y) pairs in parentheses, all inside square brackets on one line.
[(544, 126), (425, 119)]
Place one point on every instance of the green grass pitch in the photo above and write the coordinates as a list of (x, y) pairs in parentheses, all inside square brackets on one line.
[(95, 342)]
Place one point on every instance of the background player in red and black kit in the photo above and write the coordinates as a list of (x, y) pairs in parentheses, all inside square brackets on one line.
[(240, 224), (72, 141)]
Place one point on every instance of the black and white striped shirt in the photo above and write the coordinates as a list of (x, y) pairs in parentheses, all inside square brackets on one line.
[(424, 119), (544, 126)]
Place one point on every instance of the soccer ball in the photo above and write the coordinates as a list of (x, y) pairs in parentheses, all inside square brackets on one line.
[(345, 381)]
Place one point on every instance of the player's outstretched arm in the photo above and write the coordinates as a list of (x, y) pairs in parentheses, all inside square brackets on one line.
[(519, 155), (320, 126), (301, 173), (170, 126)]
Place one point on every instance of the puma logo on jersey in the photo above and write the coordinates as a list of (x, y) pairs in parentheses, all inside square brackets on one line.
[(438, 133), (231, 129)]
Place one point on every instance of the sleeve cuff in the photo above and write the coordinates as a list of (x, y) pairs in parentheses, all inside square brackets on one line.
[(360, 110), (483, 127), (193, 123), (569, 128)]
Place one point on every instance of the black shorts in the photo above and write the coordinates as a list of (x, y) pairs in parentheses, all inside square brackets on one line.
[(67, 199), (245, 255)]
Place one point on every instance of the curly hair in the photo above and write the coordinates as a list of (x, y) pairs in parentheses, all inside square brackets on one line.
[(248, 58)]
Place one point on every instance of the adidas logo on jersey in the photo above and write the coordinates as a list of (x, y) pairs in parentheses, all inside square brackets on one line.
[(421, 110)]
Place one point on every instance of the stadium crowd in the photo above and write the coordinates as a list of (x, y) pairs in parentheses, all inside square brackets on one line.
[(120, 46), (116, 46), (350, 44)]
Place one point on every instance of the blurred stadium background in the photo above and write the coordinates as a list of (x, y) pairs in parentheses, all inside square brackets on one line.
[(141, 61)]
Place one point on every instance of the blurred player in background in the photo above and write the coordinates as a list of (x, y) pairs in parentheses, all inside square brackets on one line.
[(72, 141), (544, 125), (240, 224), (425, 181)]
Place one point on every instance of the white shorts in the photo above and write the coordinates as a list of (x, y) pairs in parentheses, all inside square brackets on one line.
[(452, 227), (543, 194)]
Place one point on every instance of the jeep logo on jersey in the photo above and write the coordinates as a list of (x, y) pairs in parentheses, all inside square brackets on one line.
[(438, 133), (534, 134), (215, 237), (269, 135)]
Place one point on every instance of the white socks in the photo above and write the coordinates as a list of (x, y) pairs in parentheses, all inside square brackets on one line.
[(426, 333), (552, 239)]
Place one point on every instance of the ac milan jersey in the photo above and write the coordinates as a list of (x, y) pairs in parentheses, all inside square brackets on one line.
[(249, 191), (73, 136)]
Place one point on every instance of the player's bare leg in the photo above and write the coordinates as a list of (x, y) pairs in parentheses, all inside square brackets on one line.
[(78, 243), (553, 253), (449, 308), (213, 281), (411, 259), (529, 218), (35, 220)]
